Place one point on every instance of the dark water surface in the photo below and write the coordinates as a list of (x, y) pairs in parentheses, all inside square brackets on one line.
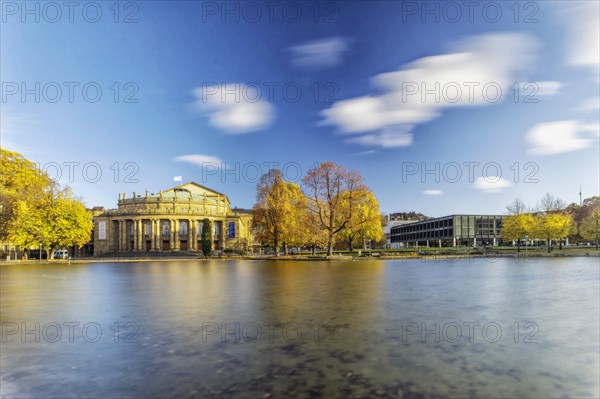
[(282, 329)]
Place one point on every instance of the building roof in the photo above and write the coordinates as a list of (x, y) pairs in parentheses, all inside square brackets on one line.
[(189, 189)]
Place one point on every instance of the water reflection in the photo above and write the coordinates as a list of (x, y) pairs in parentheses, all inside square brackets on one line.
[(381, 328)]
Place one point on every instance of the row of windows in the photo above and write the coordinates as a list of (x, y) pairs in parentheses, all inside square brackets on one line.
[(423, 226), (165, 228), (467, 226), (423, 235)]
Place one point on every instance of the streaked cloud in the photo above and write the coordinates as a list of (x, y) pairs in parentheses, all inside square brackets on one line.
[(583, 37), (234, 108), (363, 153), (535, 89), (432, 192), (559, 137), (589, 105), (199, 160), (318, 54), (491, 184), (471, 75)]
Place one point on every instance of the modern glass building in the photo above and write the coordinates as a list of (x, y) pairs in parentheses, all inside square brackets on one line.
[(448, 231)]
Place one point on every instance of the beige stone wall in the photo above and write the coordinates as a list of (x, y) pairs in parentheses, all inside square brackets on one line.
[(126, 229)]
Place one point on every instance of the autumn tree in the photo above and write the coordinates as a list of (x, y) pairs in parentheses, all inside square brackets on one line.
[(590, 226), (365, 222), (278, 212), (516, 227), (316, 236), (332, 191), (35, 211), (552, 226), (20, 180), (295, 230)]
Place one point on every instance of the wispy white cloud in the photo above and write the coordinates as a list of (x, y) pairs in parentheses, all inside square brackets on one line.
[(535, 89), (419, 91), (559, 137), (323, 53), (491, 184), (199, 160), (384, 139), (589, 105), (432, 192), (363, 153), (583, 37), (234, 108)]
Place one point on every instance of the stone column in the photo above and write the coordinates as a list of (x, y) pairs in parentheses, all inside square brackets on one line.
[(119, 235), (141, 236), (172, 234), (192, 235), (495, 244), (156, 234), (454, 242), (440, 243), (474, 241), (136, 234), (176, 245), (124, 235)]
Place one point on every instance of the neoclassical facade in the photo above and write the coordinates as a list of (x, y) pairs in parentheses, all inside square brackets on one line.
[(171, 220)]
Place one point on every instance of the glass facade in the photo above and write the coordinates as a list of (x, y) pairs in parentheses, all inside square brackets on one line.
[(452, 230)]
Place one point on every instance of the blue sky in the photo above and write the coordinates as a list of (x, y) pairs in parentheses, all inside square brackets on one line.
[(217, 92)]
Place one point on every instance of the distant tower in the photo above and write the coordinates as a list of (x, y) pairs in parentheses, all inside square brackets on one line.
[(580, 203)]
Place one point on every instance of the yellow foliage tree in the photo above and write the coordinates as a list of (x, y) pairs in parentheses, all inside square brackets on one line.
[(365, 222), (552, 226), (516, 227), (34, 210), (278, 211), (332, 190), (590, 226)]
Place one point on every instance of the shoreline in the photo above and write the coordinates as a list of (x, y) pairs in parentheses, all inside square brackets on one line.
[(334, 258)]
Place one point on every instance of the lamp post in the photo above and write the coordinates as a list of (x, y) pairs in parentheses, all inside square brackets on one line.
[(40, 252)]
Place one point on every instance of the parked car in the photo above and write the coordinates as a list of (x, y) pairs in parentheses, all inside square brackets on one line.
[(61, 254)]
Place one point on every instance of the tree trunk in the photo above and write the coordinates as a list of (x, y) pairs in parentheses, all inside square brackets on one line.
[(285, 248), (518, 245), (330, 248), (549, 245), (314, 249), (364, 242), (350, 248)]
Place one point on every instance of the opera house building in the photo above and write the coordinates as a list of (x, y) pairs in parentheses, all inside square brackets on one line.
[(171, 221)]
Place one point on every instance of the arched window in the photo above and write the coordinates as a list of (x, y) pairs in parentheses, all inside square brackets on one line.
[(183, 228)]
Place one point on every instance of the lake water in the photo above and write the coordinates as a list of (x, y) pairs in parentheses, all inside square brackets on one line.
[(463, 328)]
